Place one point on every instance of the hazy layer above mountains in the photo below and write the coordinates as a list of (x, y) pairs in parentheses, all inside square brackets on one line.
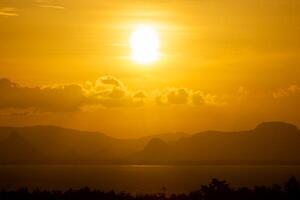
[(268, 143)]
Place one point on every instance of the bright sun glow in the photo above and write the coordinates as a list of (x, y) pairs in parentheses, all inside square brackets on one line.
[(144, 44)]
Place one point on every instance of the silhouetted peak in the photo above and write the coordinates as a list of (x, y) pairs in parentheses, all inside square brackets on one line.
[(156, 144), (276, 127), (167, 137)]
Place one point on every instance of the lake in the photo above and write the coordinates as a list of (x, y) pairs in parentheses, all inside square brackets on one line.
[(139, 178)]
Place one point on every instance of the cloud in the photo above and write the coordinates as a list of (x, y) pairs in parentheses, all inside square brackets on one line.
[(198, 98), (111, 92), (8, 12), (109, 80), (67, 98), (139, 95), (291, 90), (107, 92), (178, 96), (49, 4), (172, 95), (59, 98), (185, 96)]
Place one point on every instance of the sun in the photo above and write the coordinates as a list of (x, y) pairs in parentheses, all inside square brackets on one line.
[(144, 44)]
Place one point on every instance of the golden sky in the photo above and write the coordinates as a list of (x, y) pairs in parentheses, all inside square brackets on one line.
[(223, 64)]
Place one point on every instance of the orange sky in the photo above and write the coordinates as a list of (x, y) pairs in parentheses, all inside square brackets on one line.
[(224, 64)]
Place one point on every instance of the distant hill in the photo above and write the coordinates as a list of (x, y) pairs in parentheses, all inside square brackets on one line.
[(167, 137), (50, 144), (268, 143)]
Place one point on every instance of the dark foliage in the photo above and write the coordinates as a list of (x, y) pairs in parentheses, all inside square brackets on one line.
[(216, 190)]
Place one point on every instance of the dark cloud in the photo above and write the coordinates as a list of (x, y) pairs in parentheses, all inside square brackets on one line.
[(107, 91), (139, 95), (66, 98), (60, 98), (110, 80), (186, 96), (178, 96), (198, 98), (117, 93)]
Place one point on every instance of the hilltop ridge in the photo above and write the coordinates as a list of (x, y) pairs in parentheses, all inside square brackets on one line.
[(267, 143)]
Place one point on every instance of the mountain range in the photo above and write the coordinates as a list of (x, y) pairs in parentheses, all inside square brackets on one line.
[(268, 143)]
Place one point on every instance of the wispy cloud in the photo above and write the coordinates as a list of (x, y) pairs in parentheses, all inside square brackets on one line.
[(286, 92), (8, 12), (49, 4)]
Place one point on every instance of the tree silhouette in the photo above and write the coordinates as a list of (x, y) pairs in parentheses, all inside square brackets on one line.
[(292, 188), (215, 190)]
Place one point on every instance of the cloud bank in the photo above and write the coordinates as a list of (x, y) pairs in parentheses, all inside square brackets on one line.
[(107, 92)]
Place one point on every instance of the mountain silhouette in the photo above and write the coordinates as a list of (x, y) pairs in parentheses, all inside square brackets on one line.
[(167, 137), (268, 143), (276, 127), (59, 145), (16, 149), (156, 149)]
